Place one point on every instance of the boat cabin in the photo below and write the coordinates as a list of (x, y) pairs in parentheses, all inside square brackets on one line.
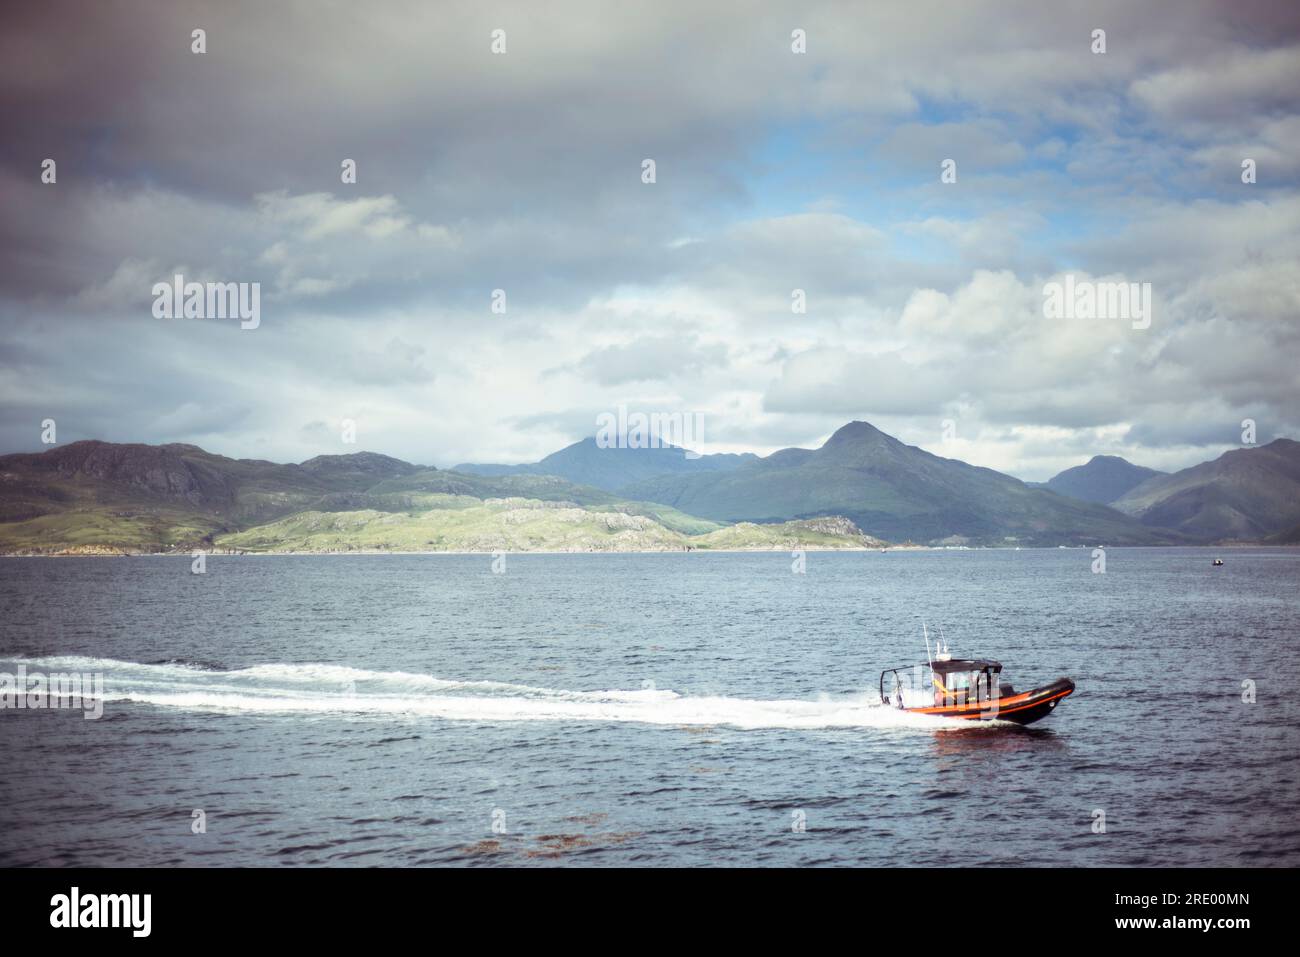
[(952, 681)]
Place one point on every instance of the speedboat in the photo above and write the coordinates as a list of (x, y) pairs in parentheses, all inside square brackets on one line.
[(967, 688), (1218, 561)]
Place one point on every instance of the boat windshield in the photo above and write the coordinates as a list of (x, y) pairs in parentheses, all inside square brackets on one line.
[(907, 687)]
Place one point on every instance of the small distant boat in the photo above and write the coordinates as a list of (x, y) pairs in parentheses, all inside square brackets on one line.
[(969, 688), (1218, 561)]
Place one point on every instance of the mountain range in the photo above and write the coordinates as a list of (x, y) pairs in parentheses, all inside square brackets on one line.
[(1244, 495), (898, 491), (859, 489), (904, 493), (94, 497)]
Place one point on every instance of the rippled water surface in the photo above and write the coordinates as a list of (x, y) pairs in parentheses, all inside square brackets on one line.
[(681, 709)]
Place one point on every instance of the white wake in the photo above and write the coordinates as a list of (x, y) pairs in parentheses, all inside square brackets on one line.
[(334, 689)]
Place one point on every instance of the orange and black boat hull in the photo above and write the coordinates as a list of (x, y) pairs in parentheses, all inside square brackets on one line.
[(1021, 708)]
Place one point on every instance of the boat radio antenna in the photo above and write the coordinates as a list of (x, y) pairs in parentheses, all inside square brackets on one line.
[(926, 632)]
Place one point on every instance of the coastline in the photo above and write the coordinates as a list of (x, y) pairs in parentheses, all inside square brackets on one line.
[(621, 551), (486, 552)]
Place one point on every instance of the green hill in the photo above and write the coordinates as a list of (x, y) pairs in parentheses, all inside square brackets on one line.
[(459, 523)]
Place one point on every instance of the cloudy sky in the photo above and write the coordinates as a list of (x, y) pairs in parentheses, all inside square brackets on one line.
[(775, 171)]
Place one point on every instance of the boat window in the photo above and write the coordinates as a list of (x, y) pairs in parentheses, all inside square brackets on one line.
[(959, 685)]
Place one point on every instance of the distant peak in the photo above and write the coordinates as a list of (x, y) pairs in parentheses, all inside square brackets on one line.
[(855, 431), (351, 457)]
